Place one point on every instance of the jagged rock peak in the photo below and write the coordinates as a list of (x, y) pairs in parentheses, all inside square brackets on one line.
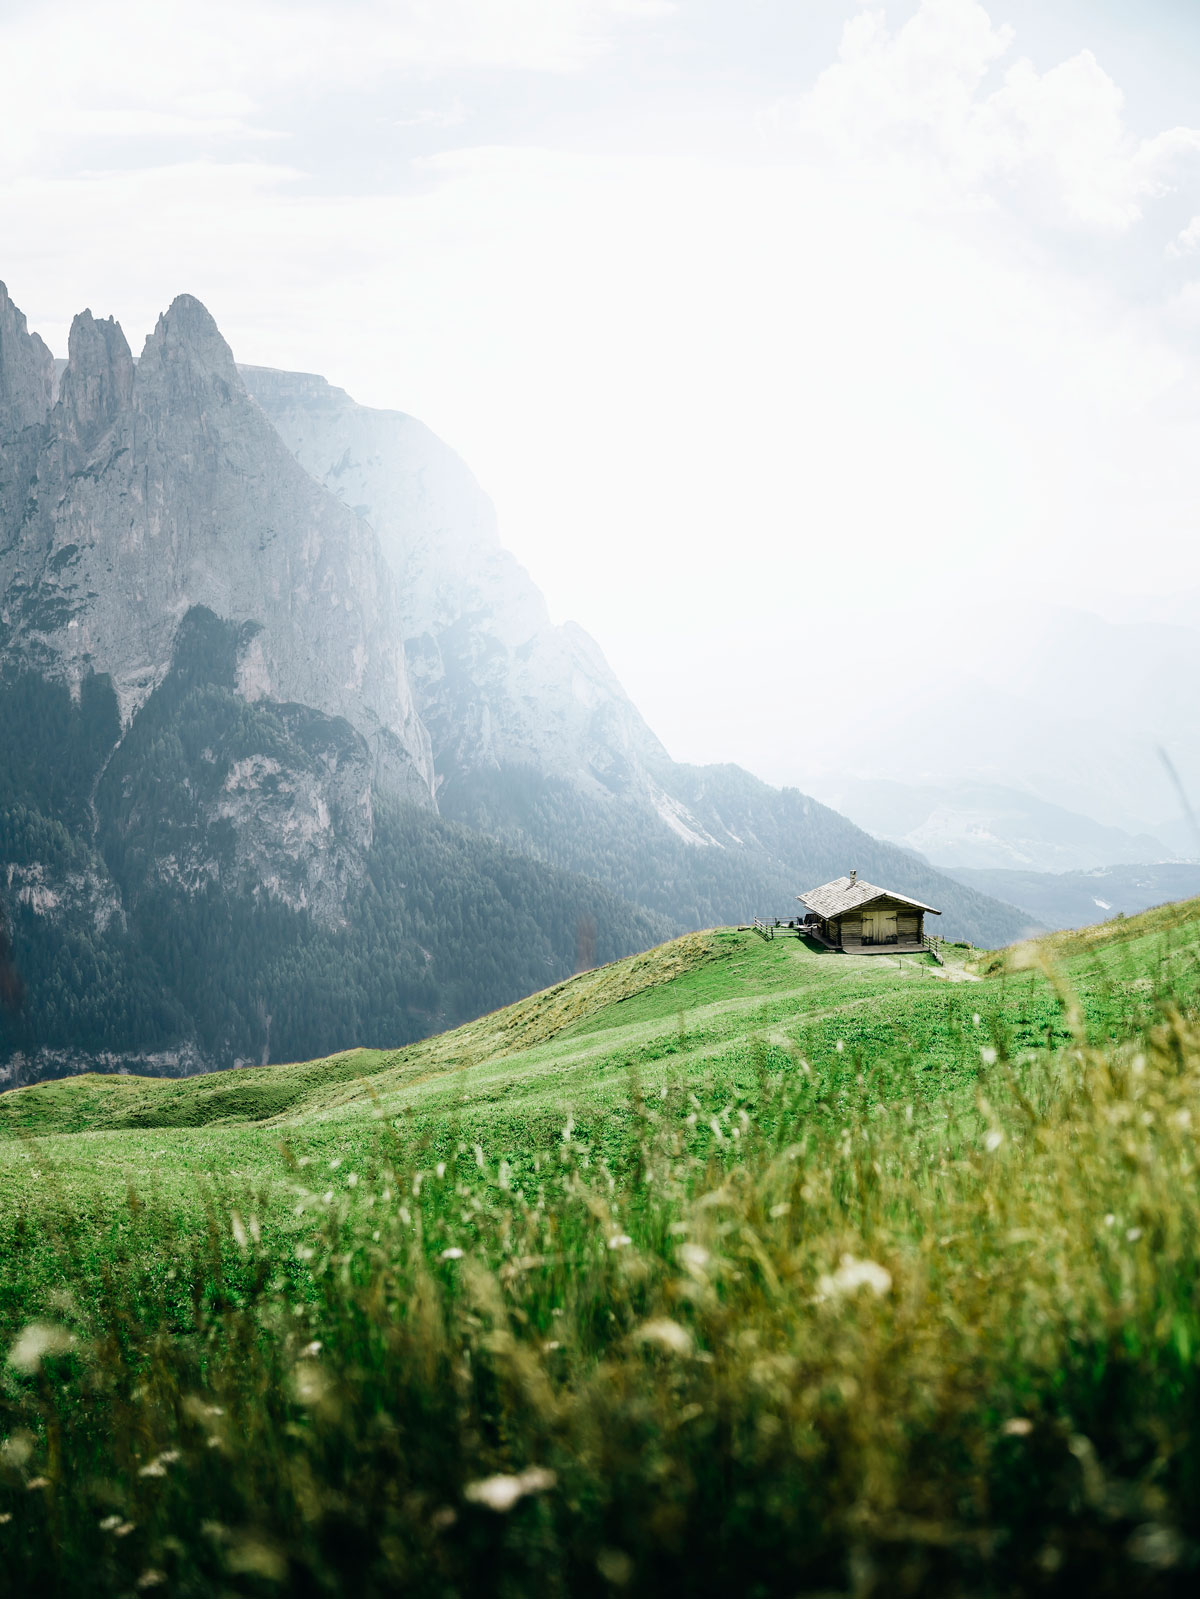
[(98, 381), (26, 371), (187, 336)]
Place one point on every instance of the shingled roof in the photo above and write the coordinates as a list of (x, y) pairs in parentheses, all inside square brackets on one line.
[(851, 894)]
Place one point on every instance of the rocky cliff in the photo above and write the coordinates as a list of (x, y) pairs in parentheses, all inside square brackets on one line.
[(149, 490)]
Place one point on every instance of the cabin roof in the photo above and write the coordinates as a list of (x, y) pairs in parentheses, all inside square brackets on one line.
[(851, 894)]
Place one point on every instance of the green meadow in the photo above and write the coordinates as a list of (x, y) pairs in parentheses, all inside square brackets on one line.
[(731, 1267)]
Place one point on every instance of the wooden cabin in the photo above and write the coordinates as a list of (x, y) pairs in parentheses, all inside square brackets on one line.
[(850, 914)]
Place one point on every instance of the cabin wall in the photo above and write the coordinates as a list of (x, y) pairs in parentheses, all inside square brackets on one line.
[(851, 932)]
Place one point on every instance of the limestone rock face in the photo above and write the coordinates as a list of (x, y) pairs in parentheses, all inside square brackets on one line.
[(496, 682), (26, 394), (97, 382), (26, 372), (161, 488)]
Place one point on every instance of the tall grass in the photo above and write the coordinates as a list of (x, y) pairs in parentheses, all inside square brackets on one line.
[(860, 1345)]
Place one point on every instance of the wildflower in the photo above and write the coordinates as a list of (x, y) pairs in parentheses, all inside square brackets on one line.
[(666, 1334), (309, 1384), (35, 1342), (1017, 1427), (1153, 1545), (852, 1275), (501, 1493), (619, 1241), (151, 1578), (15, 1451), (452, 1254), (37, 1482), (311, 1351), (993, 1140), (615, 1566), (987, 1055), (695, 1257), (251, 1556), (1134, 1234)]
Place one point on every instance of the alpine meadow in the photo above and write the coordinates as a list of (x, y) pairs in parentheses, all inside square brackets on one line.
[(600, 799), (731, 1266)]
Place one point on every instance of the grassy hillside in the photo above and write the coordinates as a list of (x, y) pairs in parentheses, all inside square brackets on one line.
[(732, 1267)]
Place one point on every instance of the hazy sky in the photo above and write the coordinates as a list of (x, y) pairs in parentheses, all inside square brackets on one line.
[(758, 318)]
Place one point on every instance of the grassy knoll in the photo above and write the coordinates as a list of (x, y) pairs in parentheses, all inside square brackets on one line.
[(734, 1267)]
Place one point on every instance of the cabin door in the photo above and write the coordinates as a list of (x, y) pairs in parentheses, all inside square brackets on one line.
[(879, 927)]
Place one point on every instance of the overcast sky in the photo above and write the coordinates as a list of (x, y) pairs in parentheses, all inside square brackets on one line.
[(754, 316)]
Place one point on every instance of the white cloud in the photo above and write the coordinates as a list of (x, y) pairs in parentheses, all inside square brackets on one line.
[(1056, 142), (168, 68)]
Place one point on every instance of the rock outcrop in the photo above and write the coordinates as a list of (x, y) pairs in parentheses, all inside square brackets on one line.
[(160, 487), (26, 373)]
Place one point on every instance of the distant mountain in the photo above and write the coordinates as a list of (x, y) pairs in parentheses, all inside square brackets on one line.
[(986, 825), (1054, 705), (1058, 900), (293, 756)]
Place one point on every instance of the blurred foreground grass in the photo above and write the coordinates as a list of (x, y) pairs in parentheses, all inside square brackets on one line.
[(843, 1328)]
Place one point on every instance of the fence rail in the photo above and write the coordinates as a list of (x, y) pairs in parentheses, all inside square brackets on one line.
[(765, 928)]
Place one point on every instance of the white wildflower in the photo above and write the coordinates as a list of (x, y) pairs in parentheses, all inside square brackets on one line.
[(852, 1275), (619, 1241), (993, 1140), (501, 1493), (695, 1257), (452, 1254), (666, 1334), (35, 1342)]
